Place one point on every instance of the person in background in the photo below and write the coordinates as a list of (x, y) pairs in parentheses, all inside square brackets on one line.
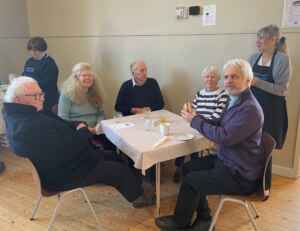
[(240, 160), (271, 70), (60, 150), (140, 93), (210, 102), (41, 67)]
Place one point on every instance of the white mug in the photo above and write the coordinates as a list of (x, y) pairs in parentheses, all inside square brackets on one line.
[(164, 129), (148, 124), (11, 77)]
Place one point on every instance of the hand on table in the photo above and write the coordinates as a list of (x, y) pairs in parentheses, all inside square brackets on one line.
[(139, 110), (188, 116), (187, 107)]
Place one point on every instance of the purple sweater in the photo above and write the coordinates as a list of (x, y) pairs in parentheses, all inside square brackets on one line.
[(238, 136)]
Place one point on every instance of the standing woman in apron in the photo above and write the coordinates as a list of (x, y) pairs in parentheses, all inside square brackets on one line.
[(271, 71)]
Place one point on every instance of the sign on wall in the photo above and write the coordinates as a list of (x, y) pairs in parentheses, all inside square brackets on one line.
[(291, 13)]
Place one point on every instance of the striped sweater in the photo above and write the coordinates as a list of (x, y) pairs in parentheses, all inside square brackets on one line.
[(211, 104)]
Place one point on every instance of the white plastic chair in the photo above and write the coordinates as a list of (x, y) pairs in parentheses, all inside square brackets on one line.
[(268, 143), (60, 195)]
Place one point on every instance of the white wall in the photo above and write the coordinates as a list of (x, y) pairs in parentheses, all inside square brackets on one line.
[(111, 34), (14, 33)]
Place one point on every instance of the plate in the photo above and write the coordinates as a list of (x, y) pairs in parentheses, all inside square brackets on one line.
[(184, 137)]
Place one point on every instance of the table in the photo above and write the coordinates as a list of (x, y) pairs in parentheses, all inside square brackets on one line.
[(130, 136)]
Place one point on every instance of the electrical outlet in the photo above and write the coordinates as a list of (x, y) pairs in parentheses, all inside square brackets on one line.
[(182, 12)]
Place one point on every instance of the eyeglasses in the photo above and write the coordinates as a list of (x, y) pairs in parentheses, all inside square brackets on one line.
[(37, 96)]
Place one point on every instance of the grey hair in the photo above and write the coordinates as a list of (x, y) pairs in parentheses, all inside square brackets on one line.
[(133, 65), (17, 88), (243, 66), (271, 31), (212, 69)]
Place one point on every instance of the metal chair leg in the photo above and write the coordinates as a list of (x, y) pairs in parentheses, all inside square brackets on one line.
[(36, 208), (216, 215), (252, 206), (251, 217), (91, 207), (60, 198)]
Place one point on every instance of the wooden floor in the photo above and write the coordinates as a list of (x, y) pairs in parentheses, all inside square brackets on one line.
[(18, 195)]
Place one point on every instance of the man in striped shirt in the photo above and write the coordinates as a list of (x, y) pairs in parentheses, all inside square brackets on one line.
[(210, 102)]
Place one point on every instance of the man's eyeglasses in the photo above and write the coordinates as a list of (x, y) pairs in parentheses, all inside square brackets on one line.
[(37, 96)]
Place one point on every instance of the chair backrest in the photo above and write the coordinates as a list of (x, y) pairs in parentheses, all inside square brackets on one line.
[(36, 178), (268, 144), (35, 175)]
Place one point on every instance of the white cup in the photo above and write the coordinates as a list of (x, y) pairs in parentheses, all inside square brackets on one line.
[(117, 115), (148, 124), (11, 77), (164, 129)]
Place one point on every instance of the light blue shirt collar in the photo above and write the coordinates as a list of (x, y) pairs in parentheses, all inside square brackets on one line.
[(233, 99)]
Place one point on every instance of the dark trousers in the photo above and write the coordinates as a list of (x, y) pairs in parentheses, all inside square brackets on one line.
[(180, 160), (150, 175), (202, 177), (102, 142), (111, 171)]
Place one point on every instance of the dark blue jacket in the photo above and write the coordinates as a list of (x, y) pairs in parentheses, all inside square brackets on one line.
[(45, 72), (238, 136), (61, 154), (148, 95)]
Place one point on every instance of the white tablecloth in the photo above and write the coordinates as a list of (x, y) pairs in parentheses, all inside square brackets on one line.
[(136, 142)]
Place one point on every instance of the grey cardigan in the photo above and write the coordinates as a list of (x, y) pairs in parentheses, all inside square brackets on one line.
[(281, 75)]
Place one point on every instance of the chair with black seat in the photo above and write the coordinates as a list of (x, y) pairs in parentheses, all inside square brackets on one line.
[(268, 144), (60, 195)]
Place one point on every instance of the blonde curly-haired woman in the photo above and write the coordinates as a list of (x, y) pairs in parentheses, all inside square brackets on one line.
[(80, 100)]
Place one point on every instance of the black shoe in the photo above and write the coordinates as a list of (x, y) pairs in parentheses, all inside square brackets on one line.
[(2, 167), (201, 225), (167, 223), (177, 175), (143, 201), (204, 215)]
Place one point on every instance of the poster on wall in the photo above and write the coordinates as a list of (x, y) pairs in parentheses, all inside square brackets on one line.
[(209, 15), (291, 14)]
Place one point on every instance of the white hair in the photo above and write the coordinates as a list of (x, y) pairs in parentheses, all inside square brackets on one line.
[(243, 66), (17, 88), (134, 64), (212, 69)]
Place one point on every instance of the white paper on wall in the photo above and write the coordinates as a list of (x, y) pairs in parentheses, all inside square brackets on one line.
[(209, 15), (291, 14)]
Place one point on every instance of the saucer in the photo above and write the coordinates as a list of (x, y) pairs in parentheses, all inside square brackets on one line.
[(184, 136)]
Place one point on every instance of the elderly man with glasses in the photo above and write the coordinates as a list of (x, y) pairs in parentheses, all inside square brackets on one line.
[(61, 151)]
